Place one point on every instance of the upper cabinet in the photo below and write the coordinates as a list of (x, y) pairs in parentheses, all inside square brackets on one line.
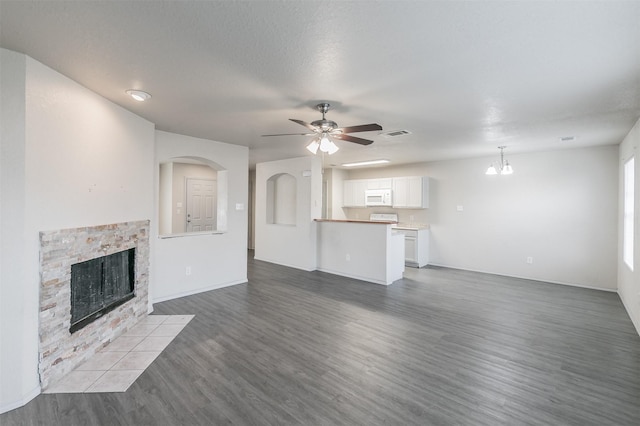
[(354, 190), (384, 183), (411, 192)]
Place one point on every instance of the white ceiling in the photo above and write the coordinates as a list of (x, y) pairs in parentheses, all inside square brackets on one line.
[(462, 77)]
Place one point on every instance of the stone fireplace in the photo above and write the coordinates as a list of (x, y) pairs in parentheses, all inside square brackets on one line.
[(60, 350)]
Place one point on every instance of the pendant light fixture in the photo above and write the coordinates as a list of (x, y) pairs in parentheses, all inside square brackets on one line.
[(505, 167), (324, 143)]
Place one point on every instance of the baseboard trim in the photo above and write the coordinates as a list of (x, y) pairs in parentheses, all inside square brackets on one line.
[(199, 290), (275, 262), (630, 314), (354, 276), (21, 402), (611, 290)]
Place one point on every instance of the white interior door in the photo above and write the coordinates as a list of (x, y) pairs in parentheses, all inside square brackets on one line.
[(201, 205)]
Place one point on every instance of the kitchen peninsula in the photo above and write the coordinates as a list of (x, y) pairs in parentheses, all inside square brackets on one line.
[(368, 251)]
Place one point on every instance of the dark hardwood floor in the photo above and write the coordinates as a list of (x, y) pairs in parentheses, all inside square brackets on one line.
[(440, 347)]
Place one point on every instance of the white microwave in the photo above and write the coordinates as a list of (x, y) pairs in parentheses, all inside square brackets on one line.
[(377, 197)]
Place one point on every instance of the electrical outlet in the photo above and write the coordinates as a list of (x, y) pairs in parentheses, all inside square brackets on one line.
[(187, 270), (529, 260), (348, 257)]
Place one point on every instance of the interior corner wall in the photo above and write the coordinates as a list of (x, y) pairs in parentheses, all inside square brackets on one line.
[(82, 161), (165, 198), (18, 374), (290, 245), (629, 280), (559, 207), (251, 209), (335, 187), (215, 260)]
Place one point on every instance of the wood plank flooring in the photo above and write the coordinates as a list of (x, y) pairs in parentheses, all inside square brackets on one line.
[(440, 347)]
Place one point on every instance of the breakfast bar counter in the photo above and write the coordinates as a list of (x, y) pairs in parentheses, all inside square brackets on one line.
[(368, 251)]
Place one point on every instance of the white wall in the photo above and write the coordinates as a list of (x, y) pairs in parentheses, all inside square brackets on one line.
[(560, 208), (82, 161), (628, 280), (293, 246), (215, 260)]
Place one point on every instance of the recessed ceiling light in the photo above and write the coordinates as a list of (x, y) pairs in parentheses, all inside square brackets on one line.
[(138, 95), (365, 163)]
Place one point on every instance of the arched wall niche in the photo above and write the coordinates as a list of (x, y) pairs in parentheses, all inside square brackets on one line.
[(193, 194), (282, 191)]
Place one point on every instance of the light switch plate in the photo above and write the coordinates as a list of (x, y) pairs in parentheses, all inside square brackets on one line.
[(239, 206)]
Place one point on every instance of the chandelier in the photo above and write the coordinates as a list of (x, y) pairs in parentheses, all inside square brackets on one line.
[(504, 169)]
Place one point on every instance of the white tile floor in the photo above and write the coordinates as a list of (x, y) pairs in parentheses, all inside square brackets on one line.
[(120, 363)]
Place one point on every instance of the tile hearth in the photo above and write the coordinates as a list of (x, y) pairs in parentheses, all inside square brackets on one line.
[(116, 366)]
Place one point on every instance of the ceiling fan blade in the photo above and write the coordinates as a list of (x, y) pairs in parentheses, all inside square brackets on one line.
[(362, 128), (305, 124), (349, 138), (291, 134)]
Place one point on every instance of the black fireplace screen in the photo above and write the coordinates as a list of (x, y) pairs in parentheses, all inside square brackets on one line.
[(100, 285)]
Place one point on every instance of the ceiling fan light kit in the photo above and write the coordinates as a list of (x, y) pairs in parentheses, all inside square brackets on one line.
[(326, 130), (325, 145), (313, 146), (505, 167)]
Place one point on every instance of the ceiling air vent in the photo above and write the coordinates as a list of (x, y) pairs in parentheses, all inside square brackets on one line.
[(396, 133)]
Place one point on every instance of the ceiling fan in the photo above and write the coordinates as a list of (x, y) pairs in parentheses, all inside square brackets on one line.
[(325, 129)]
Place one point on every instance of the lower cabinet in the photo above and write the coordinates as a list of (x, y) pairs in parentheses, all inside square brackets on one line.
[(416, 247)]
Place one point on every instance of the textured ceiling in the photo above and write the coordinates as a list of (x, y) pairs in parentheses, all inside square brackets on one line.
[(462, 77)]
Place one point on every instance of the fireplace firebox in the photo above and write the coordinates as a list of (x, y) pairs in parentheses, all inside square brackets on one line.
[(100, 285)]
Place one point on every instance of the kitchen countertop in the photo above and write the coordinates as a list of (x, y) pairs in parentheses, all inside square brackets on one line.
[(411, 226), (355, 221), (395, 225)]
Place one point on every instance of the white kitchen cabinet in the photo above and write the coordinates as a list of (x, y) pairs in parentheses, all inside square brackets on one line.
[(382, 183), (416, 246), (354, 192), (411, 192)]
